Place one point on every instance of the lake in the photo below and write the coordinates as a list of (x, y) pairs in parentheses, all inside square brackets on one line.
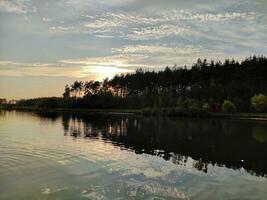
[(66, 156)]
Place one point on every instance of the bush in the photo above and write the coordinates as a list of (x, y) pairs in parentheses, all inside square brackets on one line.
[(206, 107), (192, 105), (178, 111), (228, 107), (259, 103), (150, 111), (180, 103)]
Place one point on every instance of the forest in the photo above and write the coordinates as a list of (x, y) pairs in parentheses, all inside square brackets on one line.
[(229, 86)]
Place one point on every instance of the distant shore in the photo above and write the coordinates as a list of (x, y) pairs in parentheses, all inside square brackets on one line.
[(75, 110), (158, 112)]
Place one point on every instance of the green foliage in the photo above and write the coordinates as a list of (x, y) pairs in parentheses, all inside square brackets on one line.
[(76, 88), (228, 107), (206, 107), (181, 112), (192, 105), (180, 103), (66, 94), (2, 102), (259, 103), (43, 103)]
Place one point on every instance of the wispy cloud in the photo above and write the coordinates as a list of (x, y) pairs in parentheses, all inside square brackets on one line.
[(123, 60), (63, 29), (118, 19), (19, 7), (40, 71), (8, 63), (100, 67), (156, 50), (148, 25), (121, 19), (46, 19), (157, 32), (164, 54), (119, 61), (179, 15), (12, 68)]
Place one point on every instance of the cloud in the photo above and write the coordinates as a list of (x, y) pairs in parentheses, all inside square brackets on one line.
[(145, 25), (20, 7), (151, 25), (12, 68), (12, 8), (104, 36), (157, 32), (123, 19), (19, 64), (46, 19), (148, 57), (41, 71), (118, 19), (120, 61), (179, 15), (156, 50), (100, 67), (63, 29), (157, 56), (123, 60)]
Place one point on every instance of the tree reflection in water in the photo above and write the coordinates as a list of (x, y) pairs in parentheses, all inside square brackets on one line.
[(198, 143)]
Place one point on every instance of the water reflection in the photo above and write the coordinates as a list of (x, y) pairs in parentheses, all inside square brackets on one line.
[(234, 144)]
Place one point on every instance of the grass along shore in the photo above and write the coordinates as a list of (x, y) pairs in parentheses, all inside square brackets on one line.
[(145, 111), (74, 110)]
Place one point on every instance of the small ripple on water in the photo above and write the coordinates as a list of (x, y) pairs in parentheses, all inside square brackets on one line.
[(14, 159), (122, 190)]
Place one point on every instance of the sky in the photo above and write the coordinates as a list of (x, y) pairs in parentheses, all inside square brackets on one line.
[(46, 44)]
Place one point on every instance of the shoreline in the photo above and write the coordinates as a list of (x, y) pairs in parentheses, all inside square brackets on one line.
[(240, 116), (77, 110)]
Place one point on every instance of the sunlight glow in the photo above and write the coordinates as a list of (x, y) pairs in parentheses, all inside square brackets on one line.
[(105, 71)]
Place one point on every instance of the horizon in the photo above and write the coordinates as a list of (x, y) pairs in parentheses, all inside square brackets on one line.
[(46, 45)]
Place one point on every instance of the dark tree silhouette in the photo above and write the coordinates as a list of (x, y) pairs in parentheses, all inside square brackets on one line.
[(204, 83)]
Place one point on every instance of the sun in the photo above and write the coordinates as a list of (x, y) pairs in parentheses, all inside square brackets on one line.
[(105, 71)]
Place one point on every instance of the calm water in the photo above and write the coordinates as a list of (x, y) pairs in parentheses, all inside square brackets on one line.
[(45, 156)]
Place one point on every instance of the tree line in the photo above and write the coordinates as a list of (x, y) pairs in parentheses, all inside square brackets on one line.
[(230, 85)]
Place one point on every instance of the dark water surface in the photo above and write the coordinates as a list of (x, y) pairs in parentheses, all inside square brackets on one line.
[(53, 156)]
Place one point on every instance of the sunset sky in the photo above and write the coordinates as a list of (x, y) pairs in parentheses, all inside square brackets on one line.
[(46, 44)]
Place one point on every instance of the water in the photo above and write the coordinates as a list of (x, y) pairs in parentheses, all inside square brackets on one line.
[(52, 156)]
